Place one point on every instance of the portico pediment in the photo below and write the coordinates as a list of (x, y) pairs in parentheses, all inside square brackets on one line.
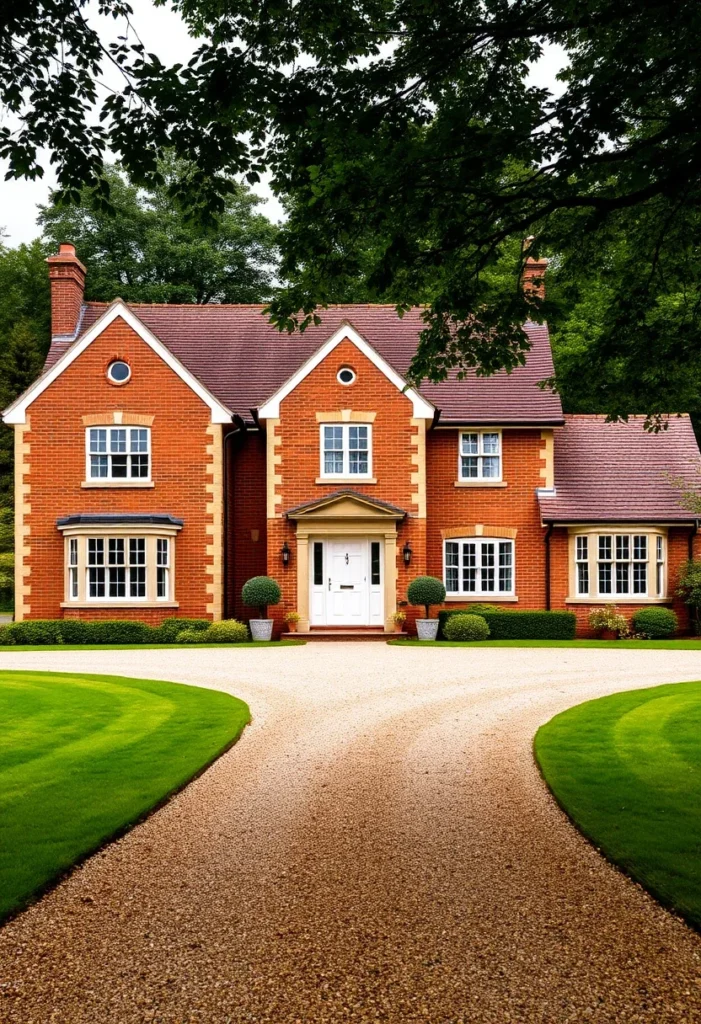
[(346, 505)]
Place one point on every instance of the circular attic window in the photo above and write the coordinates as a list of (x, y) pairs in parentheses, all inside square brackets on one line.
[(118, 372), (345, 375)]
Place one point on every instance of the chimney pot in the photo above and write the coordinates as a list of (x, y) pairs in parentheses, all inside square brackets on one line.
[(533, 274), (67, 280)]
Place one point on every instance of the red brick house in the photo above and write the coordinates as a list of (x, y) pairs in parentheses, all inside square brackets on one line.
[(169, 453)]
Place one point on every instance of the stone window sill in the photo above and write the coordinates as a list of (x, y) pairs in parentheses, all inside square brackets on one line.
[(481, 483), (119, 484), (346, 480), (617, 599), (481, 599), (120, 604)]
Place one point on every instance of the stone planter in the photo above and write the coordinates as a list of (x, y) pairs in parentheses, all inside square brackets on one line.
[(427, 629), (261, 629)]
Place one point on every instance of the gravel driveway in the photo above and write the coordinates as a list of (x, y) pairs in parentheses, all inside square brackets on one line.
[(378, 847)]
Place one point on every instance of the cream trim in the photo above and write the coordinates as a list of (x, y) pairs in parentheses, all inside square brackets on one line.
[(480, 530), (128, 484), (119, 529), (23, 508), (480, 483), (547, 456), (17, 411), (418, 459), (116, 416), (151, 534), (125, 603), (346, 332), (214, 550), (345, 480), (303, 578), (273, 459), (480, 599), (346, 416)]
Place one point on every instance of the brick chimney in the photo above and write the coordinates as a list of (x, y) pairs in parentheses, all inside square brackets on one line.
[(533, 276), (67, 278)]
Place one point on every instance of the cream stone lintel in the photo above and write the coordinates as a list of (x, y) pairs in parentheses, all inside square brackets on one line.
[(131, 419), (23, 508), (418, 459), (215, 508), (480, 530), (481, 483), (346, 416), (273, 460), (547, 456)]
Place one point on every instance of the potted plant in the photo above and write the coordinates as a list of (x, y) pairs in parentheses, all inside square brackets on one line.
[(399, 618), (260, 592), (292, 618), (426, 590), (689, 589), (607, 622)]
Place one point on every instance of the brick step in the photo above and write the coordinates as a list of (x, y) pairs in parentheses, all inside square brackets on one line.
[(344, 634)]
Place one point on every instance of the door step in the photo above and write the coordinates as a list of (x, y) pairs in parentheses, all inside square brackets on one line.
[(345, 634)]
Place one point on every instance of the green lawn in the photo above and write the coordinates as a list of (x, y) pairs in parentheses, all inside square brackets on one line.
[(627, 770), (611, 645), (84, 756)]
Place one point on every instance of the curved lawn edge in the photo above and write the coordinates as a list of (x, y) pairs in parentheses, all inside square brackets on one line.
[(609, 645), (181, 776), (613, 767)]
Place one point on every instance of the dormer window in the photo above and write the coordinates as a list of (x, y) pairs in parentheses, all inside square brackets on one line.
[(118, 453)]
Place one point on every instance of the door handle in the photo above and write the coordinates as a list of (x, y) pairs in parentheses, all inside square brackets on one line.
[(329, 583)]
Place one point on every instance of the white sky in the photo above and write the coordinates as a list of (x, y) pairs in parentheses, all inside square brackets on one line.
[(162, 32)]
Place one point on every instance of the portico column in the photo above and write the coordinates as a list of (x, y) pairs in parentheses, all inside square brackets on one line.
[(390, 577), (303, 580)]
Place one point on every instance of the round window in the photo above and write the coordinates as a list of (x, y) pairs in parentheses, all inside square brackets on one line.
[(345, 375), (119, 372)]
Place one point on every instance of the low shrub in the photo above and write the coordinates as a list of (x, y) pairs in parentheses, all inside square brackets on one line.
[(466, 627), (228, 631), (259, 592), (521, 625), (426, 590), (608, 618), (190, 636), (121, 631), (170, 629), (36, 632), (656, 623), (6, 638)]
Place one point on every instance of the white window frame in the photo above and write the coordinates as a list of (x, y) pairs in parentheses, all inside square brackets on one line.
[(163, 545), (480, 567), (586, 551), (346, 473), (108, 454), (130, 567), (480, 455), (78, 565)]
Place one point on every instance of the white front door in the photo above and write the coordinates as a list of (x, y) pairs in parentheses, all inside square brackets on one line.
[(345, 583)]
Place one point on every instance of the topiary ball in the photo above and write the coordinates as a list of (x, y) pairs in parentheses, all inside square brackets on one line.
[(466, 627), (260, 591), (426, 590), (657, 623), (228, 631)]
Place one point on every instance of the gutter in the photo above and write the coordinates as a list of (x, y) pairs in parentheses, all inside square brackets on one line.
[(546, 541)]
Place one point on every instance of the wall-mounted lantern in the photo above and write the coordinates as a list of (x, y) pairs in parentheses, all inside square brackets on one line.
[(285, 554), (407, 553)]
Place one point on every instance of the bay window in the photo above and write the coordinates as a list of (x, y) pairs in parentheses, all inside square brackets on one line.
[(476, 565), (616, 564)]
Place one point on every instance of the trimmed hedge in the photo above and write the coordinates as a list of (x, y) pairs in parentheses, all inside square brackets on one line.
[(40, 632), (657, 623), (521, 625), (228, 631), (466, 627)]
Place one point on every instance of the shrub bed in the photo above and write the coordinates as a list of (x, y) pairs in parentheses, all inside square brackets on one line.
[(40, 632), (520, 625), (466, 627), (228, 631), (657, 623)]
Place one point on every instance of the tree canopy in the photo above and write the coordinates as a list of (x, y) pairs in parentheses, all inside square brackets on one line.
[(414, 155)]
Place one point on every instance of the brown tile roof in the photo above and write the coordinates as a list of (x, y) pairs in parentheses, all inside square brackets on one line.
[(243, 360), (619, 471)]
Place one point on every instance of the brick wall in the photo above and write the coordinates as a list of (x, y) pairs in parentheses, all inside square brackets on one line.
[(247, 555), (57, 468), (514, 506)]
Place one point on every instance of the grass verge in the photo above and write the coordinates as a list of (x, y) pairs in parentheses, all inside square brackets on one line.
[(627, 770), (611, 645), (83, 757), (146, 647)]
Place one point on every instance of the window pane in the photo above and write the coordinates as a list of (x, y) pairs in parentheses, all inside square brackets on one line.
[(73, 551), (116, 551), (505, 566), (468, 466), (490, 444), (118, 440), (660, 579), (96, 551), (622, 578), (318, 564), (605, 549), (117, 582), (640, 577), (358, 437), (98, 440), (161, 582), (139, 440), (490, 467), (622, 548), (96, 582), (604, 577), (139, 466), (137, 551), (137, 581), (582, 549), (333, 450), (98, 466), (451, 566), (469, 444), (469, 568), (119, 466), (73, 582), (659, 549), (640, 547), (582, 577), (487, 566), (375, 563), (358, 462), (161, 552)]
